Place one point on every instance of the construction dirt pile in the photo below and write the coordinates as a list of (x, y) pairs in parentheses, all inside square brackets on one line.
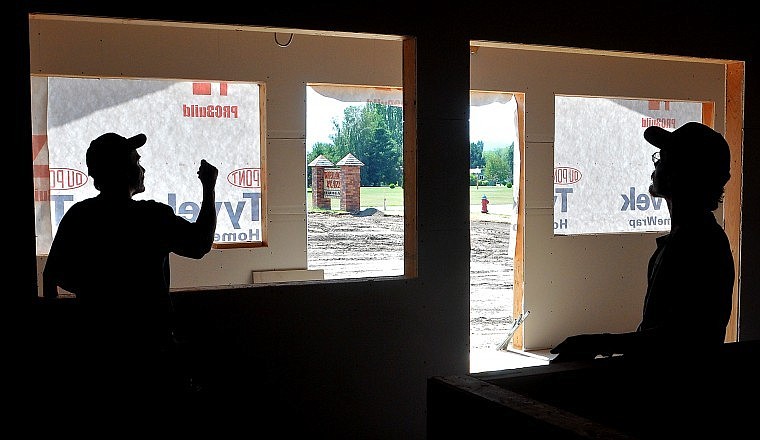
[(370, 244)]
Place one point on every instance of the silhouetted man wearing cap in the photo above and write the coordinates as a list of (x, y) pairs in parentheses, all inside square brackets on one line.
[(112, 252), (691, 274)]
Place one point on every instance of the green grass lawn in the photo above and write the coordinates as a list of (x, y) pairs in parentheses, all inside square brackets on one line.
[(385, 196)]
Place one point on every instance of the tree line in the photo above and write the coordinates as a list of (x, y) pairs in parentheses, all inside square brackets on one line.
[(373, 133), (495, 165)]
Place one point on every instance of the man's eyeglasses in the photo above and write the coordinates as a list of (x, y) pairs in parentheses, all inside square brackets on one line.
[(655, 157)]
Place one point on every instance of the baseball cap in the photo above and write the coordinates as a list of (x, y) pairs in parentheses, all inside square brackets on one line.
[(110, 151), (697, 145)]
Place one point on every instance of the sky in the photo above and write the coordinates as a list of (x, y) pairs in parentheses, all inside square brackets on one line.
[(493, 123)]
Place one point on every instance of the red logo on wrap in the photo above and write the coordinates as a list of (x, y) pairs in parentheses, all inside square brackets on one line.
[(566, 175), (245, 178), (204, 88), (66, 178)]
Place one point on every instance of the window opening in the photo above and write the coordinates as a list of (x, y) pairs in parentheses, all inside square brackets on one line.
[(354, 185), (185, 121)]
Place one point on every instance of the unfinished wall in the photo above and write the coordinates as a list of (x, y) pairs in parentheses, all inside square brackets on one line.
[(573, 284), (345, 359), (583, 283), (137, 49)]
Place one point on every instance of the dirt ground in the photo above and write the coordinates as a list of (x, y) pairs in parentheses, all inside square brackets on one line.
[(370, 243)]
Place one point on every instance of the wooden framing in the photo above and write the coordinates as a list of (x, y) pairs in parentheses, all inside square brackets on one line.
[(409, 80), (732, 202), (519, 231)]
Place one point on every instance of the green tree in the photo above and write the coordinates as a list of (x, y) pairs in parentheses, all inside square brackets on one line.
[(393, 158), (498, 168), (381, 158), (326, 150), (373, 133), (347, 135), (476, 155)]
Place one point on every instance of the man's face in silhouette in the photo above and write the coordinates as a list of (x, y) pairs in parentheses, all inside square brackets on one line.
[(661, 177), (136, 174)]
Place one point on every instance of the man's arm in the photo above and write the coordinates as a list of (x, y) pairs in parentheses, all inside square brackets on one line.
[(207, 174), (194, 240), (589, 346), (49, 283), (52, 275)]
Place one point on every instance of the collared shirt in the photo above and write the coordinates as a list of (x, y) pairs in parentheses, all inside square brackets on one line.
[(114, 256), (690, 286)]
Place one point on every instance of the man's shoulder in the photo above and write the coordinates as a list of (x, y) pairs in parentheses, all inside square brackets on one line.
[(152, 205), (82, 207), (702, 226), (705, 240), (158, 213)]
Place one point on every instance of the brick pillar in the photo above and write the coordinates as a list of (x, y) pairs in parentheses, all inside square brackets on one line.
[(318, 199), (350, 188)]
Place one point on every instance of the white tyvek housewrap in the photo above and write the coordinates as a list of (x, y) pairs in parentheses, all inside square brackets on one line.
[(184, 122), (603, 166)]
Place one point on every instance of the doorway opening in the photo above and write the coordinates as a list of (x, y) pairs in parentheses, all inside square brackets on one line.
[(494, 189)]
